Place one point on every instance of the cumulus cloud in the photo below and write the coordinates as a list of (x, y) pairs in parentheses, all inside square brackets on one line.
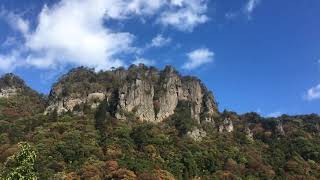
[(15, 21), (145, 6), (74, 31), (189, 14), (5, 63), (250, 7), (159, 41), (313, 93), (198, 58), (8, 63)]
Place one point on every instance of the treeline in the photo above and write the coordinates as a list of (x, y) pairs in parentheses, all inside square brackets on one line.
[(98, 146)]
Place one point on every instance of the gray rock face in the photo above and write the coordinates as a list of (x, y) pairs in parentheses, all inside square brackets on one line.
[(279, 129), (150, 94), (95, 98), (226, 126), (175, 88), (137, 97), (169, 93), (9, 92), (192, 91), (197, 134), (74, 89), (249, 133), (69, 103)]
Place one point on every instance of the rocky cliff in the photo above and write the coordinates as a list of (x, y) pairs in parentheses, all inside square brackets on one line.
[(101, 137), (150, 94)]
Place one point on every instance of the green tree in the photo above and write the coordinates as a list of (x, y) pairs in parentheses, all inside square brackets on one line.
[(20, 166), (182, 119)]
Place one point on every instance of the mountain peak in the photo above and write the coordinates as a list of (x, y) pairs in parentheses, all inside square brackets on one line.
[(151, 94), (11, 80), (11, 85)]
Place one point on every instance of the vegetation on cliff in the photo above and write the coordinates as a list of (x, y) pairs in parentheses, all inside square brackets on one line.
[(94, 144)]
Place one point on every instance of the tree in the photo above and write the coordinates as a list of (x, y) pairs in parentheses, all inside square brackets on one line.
[(182, 119), (20, 166)]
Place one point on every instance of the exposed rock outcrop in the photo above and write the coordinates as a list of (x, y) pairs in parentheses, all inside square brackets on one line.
[(70, 103), (169, 93), (79, 87), (249, 133), (174, 88), (150, 94), (197, 134), (11, 85), (137, 97), (279, 129), (226, 126), (8, 92)]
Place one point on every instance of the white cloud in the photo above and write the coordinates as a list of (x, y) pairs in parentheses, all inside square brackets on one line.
[(159, 41), (15, 21), (177, 2), (8, 63), (313, 93), (144, 61), (197, 58), (145, 6), (250, 7), (74, 31), (189, 14)]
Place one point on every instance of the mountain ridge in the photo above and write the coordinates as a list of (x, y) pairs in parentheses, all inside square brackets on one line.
[(103, 131), (152, 93)]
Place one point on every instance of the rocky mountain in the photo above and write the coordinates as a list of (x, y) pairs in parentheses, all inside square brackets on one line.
[(12, 90), (152, 95), (11, 85), (146, 124)]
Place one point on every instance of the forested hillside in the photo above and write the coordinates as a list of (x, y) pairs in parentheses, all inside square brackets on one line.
[(142, 123)]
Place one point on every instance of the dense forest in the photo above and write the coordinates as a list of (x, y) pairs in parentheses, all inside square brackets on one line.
[(95, 144)]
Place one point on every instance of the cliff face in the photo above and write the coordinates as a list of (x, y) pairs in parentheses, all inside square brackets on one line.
[(150, 94), (80, 86), (106, 107)]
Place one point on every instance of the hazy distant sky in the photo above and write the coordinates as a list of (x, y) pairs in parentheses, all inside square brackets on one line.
[(255, 55)]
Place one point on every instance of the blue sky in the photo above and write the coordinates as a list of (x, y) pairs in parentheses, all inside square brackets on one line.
[(255, 55)]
